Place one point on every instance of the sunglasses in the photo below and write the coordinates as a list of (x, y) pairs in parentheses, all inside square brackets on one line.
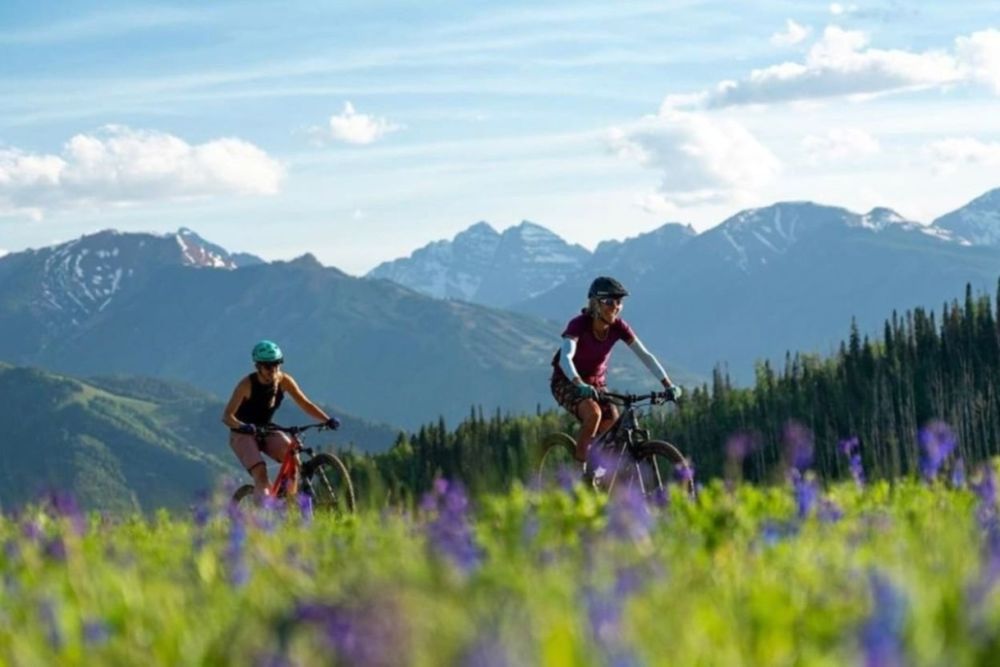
[(611, 300), (270, 365)]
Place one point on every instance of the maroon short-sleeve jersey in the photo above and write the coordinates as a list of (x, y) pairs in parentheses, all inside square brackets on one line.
[(591, 356)]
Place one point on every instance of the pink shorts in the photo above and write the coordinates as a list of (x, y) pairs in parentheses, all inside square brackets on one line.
[(249, 452)]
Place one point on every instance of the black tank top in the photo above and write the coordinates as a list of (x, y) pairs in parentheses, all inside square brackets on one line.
[(263, 401)]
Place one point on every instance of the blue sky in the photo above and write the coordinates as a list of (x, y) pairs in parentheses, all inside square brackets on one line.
[(361, 131)]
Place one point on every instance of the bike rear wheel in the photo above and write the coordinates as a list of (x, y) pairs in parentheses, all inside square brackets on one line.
[(556, 464), (326, 480), (660, 465)]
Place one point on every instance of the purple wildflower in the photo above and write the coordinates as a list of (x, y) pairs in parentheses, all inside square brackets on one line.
[(366, 635), (604, 612), (882, 633), (851, 448), (64, 505), (450, 533), (937, 441), (50, 621), (629, 517), (486, 651), (305, 507), (95, 632), (55, 548), (799, 445), (829, 512), (235, 553), (739, 446), (958, 474), (31, 530), (806, 492)]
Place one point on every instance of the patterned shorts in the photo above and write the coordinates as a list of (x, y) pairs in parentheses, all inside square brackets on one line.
[(248, 451), (567, 395)]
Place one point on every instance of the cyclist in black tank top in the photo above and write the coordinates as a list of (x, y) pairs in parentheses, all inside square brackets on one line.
[(252, 405)]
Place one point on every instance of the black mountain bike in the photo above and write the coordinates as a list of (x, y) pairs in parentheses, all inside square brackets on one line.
[(321, 476), (622, 455)]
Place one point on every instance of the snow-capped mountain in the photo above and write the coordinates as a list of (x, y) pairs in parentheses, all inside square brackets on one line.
[(976, 223), (69, 283), (483, 266)]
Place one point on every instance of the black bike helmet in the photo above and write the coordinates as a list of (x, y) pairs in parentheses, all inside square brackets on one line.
[(604, 286)]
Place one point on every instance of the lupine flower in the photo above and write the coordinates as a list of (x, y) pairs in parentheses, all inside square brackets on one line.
[(772, 532), (50, 622), (937, 441), (882, 633), (366, 635), (604, 612), (828, 511), (64, 505), (806, 492), (235, 556), (958, 474), (629, 517), (486, 652), (798, 445), (55, 548), (450, 533), (851, 448), (305, 507), (95, 632)]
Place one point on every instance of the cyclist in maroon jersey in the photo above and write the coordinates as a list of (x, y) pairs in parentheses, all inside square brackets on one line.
[(254, 401), (580, 366)]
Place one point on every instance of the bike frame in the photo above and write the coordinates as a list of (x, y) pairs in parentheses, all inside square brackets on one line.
[(291, 465), (620, 439)]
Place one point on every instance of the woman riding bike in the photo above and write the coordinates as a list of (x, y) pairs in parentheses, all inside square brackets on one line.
[(580, 366), (254, 401)]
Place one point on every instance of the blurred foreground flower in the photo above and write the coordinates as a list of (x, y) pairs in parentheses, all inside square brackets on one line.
[(937, 441), (449, 533), (882, 633), (799, 445), (851, 447), (369, 633)]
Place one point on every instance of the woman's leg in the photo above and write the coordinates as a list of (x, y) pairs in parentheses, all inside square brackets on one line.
[(589, 414)]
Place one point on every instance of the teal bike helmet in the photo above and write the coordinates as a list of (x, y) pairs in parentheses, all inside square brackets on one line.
[(267, 352)]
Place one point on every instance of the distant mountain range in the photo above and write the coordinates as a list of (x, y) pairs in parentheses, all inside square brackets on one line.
[(784, 277), (178, 308)]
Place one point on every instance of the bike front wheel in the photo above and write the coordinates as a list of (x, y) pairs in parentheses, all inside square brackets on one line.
[(660, 465), (556, 464), (326, 480)]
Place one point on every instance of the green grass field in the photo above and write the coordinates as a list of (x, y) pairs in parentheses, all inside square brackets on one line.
[(888, 574)]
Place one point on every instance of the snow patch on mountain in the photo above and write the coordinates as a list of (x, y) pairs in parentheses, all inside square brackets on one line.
[(484, 266), (976, 223)]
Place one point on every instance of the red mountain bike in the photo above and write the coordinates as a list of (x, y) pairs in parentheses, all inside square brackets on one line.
[(321, 476), (622, 455)]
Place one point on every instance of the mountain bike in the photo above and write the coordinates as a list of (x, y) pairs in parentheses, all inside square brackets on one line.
[(624, 454), (321, 476)]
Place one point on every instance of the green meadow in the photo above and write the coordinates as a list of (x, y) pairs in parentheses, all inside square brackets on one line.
[(795, 574)]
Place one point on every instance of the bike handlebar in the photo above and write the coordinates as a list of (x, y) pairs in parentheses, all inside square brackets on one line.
[(654, 397), (291, 430)]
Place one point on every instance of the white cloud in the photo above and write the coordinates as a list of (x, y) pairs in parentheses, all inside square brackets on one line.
[(980, 54), (794, 34), (839, 144), (355, 128), (838, 9), (3, 252), (702, 159), (840, 63), (119, 165), (948, 155)]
